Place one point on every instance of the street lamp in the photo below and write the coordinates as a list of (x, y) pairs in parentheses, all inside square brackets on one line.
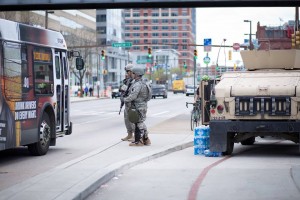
[(46, 17), (250, 35)]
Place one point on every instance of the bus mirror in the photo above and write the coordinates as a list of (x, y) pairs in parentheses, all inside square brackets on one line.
[(79, 63)]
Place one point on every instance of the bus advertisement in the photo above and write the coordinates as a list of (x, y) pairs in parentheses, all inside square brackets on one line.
[(34, 84)]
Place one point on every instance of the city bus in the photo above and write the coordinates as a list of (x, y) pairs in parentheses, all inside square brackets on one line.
[(34, 84)]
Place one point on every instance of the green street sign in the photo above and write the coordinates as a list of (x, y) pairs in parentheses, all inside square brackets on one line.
[(124, 44)]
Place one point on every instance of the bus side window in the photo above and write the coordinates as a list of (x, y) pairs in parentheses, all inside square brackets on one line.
[(43, 79)]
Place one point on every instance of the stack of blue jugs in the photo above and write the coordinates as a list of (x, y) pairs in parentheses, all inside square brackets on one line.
[(201, 139)]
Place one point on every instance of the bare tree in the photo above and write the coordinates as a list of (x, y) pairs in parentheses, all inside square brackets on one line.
[(81, 38)]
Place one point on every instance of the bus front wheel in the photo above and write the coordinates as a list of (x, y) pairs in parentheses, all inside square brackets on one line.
[(41, 147)]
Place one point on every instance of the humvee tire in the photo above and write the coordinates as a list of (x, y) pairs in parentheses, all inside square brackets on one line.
[(249, 141)]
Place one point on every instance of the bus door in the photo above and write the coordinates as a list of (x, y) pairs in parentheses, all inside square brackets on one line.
[(62, 91)]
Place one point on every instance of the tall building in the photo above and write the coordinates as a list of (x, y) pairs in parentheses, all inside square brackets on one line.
[(161, 29), (275, 37), (110, 30)]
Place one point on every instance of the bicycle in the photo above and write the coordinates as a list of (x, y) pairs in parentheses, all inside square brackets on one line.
[(195, 114)]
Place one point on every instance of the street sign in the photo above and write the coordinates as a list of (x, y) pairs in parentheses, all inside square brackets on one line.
[(207, 45), (236, 46), (124, 44), (207, 42), (206, 59)]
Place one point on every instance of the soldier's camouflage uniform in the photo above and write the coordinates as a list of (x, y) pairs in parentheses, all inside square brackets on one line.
[(138, 93), (129, 126)]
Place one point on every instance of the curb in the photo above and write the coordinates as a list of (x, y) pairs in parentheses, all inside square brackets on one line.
[(83, 189)]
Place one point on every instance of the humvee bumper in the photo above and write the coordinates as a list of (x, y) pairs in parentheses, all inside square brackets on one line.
[(219, 130)]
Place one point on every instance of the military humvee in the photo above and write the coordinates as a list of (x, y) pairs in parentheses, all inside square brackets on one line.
[(262, 101)]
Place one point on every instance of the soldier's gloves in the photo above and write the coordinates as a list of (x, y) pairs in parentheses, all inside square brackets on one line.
[(124, 87)]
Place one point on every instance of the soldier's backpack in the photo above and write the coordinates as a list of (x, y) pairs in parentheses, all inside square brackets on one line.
[(148, 85)]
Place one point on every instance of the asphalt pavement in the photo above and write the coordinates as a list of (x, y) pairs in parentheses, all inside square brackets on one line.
[(80, 177)]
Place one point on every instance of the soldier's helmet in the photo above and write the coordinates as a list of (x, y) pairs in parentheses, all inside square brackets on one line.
[(140, 71), (129, 67)]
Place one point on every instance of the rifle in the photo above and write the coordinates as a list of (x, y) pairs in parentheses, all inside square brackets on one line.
[(124, 94)]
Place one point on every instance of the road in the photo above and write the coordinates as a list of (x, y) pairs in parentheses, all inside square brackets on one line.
[(267, 170), (96, 124)]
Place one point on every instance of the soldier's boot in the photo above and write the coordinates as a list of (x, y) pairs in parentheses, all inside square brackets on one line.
[(138, 138), (137, 144), (128, 137), (146, 141), (132, 138)]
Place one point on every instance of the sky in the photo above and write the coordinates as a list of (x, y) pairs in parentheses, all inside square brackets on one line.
[(228, 23)]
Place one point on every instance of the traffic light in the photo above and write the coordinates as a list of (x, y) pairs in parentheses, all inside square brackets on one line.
[(229, 55), (149, 52), (184, 65), (195, 54), (102, 55), (297, 38), (293, 37)]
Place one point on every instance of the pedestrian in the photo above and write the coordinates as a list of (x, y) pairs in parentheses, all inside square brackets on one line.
[(139, 94), (91, 91), (86, 90), (124, 89)]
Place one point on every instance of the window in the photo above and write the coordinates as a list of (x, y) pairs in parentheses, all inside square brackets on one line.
[(155, 34), (184, 40), (127, 14), (136, 14), (145, 27), (146, 21), (184, 34), (174, 34), (174, 20), (135, 34), (155, 14), (175, 41), (164, 40), (154, 41), (164, 34), (145, 14), (174, 14), (136, 21), (165, 14), (154, 27), (136, 28), (145, 34), (16, 81), (155, 21), (43, 71), (184, 47), (164, 21), (101, 30), (165, 28), (174, 27), (101, 18)]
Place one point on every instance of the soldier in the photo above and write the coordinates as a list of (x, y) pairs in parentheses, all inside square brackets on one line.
[(139, 95), (124, 89)]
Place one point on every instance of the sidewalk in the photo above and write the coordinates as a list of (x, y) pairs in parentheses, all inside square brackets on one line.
[(82, 176), (74, 99)]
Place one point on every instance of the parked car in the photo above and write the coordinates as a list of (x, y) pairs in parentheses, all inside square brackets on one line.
[(190, 90), (159, 90), (115, 92)]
